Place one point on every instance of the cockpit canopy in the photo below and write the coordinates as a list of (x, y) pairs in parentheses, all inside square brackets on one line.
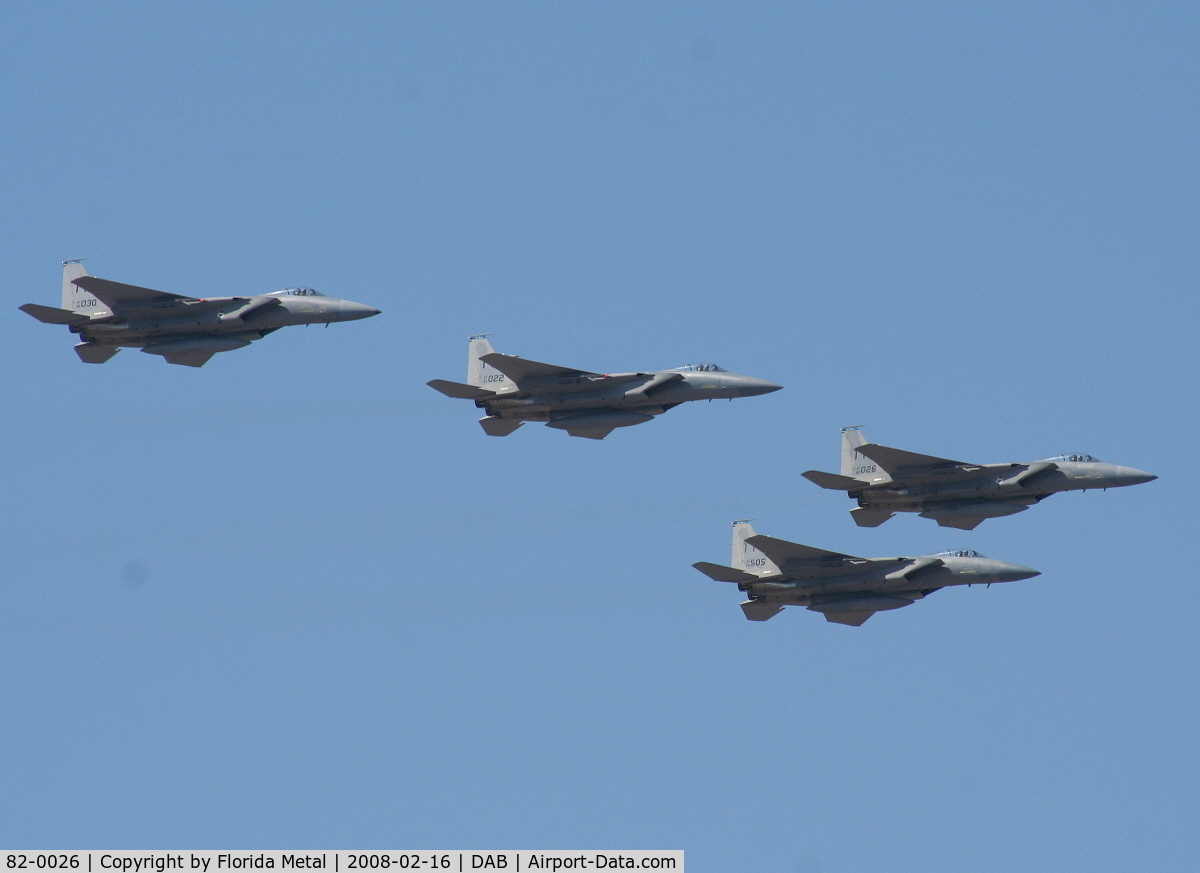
[(1079, 459), (297, 292), (958, 553), (700, 368)]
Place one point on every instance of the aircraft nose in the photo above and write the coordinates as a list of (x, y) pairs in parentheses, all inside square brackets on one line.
[(1006, 572), (748, 386), (351, 311), (1130, 476)]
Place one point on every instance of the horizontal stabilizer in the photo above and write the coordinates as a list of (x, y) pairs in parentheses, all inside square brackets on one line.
[(459, 391), (519, 368), (756, 611), (719, 573), (834, 482), (117, 294), (779, 552), (95, 353), (870, 517), (893, 460), (499, 426), (52, 314)]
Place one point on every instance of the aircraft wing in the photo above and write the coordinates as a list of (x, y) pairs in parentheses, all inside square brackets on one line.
[(190, 359), (896, 460), (520, 368), (854, 618), (781, 551), (116, 295)]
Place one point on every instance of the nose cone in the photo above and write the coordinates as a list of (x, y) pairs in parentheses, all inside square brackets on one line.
[(748, 386), (350, 311), (1130, 476), (1006, 572)]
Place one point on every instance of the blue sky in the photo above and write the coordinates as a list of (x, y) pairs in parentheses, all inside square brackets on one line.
[(298, 599)]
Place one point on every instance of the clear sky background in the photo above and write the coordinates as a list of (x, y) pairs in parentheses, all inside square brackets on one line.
[(298, 599)]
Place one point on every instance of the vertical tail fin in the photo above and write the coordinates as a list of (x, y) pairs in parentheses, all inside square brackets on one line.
[(747, 558), (852, 438), (74, 298), (858, 466), (480, 374)]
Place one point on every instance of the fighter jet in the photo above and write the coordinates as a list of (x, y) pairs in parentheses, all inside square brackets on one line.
[(515, 390), (885, 481), (184, 330), (845, 589)]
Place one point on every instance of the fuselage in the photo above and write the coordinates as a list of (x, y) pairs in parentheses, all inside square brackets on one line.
[(907, 577), (1020, 485), (237, 318), (638, 393)]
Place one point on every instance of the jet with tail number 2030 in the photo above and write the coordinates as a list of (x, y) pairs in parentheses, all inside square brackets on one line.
[(845, 589), (885, 481), (184, 330), (515, 390)]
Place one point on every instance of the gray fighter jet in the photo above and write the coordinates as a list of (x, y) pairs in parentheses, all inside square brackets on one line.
[(885, 481), (515, 390), (845, 589), (184, 330)]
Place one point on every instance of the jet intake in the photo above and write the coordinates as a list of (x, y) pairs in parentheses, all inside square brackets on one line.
[(599, 420), (204, 345)]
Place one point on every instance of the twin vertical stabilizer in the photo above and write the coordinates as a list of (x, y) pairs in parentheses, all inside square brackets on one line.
[(747, 558), (481, 374), (74, 298)]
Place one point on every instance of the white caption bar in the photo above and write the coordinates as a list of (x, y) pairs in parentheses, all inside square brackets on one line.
[(392, 861)]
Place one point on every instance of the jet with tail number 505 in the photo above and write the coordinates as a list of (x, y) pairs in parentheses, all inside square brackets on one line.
[(885, 481), (515, 390), (184, 330), (845, 589)]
